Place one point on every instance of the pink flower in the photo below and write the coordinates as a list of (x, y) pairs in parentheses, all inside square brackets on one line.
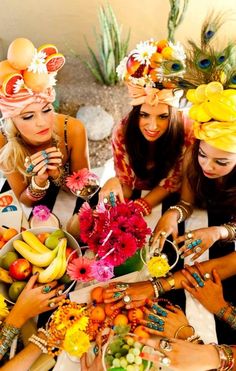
[(78, 180), (79, 269), (41, 212), (102, 271)]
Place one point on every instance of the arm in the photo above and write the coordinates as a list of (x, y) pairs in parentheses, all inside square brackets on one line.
[(78, 145)]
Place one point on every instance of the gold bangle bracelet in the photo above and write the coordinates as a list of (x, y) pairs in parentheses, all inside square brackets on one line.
[(181, 328)]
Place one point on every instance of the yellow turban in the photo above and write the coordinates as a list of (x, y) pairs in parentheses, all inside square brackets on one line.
[(220, 135), (214, 113)]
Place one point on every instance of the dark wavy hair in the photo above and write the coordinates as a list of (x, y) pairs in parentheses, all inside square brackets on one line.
[(167, 148), (210, 194)]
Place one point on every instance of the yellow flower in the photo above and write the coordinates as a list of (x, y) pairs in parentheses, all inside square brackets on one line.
[(158, 266), (76, 343), (3, 307)]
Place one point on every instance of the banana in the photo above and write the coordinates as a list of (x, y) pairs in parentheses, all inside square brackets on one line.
[(54, 270), (35, 258), (36, 269), (34, 242), (63, 259), (4, 276)]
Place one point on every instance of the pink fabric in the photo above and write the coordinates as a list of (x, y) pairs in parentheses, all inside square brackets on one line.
[(125, 173), (153, 96), (13, 105)]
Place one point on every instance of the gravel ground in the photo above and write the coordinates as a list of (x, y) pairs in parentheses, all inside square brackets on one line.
[(76, 87)]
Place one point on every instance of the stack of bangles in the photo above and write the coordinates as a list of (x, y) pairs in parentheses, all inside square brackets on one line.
[(228, 314), (144, 206), (39, 342), (35, 192), (231, 229), (7, 335), (184, 209), (226, 357)]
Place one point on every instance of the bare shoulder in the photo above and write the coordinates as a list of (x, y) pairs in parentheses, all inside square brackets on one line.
[(74, 126)]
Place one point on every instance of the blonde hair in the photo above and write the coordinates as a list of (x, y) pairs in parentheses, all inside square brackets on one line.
[(14, 152)]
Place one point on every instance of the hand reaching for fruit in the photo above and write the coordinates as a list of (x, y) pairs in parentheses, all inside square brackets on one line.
[(34, 300)]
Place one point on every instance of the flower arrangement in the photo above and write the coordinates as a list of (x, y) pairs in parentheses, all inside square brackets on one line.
[(113, 234), (67, 329), (83, 183), (41, 212)]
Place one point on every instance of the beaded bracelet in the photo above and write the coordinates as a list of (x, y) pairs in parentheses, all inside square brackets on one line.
[(155, 289), (221, 311), (41, 344), (7, 335), (43, 331), (179, 209), (144, 205), (33, 196), (37, 187)]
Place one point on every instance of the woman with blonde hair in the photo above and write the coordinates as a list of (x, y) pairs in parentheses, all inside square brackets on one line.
[(38, 146)]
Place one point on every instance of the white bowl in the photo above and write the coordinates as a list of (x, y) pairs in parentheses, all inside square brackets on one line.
[(9, 247)]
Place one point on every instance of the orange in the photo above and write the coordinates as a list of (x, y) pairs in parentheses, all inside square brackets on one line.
[(98, 314), (43, 236), (120, 320), (135, 313), (108, 309), (36, 81), (20, 53), (97, 294), (9, 233), (139, 331)]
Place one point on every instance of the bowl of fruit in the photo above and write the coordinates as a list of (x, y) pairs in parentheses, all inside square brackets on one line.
[(44, 250), (122, 352)]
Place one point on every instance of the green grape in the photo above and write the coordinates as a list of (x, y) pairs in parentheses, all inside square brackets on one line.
[(138, 345), (136, 351), (118, 355), (123, 362), (116, 362), (109, 359), (130, 368), (124, 351), (138, 360), (130, 341), (130, 358)]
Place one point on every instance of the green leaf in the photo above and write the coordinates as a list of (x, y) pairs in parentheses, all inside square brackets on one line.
[(95, 72)]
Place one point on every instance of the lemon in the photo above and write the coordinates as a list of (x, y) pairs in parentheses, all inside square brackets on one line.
[(200, 93), (202, 115)]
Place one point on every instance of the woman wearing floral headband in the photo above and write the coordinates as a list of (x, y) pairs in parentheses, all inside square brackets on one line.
[(148, 145), (38, 146)]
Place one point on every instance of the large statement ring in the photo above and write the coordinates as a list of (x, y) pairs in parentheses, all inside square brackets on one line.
[(163, 234), (122, 286), (27, 161), (198, 279), (188, 235), (165, 344), (117, 295), (206, 276), (44, 154), (197, 249), (30, 168), (112, 199), (165, 361), (51, 304), (46, 289), (127, 299)]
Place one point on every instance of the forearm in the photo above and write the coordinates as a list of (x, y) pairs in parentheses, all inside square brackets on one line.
[(156, 196), (23, 360)]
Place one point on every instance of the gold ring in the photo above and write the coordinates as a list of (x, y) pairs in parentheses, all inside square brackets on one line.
[(188, 235), (51, 304), (127, 299), (163, 234), (165, 361)]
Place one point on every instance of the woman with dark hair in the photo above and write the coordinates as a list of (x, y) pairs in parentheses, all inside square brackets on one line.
[(148, 145)]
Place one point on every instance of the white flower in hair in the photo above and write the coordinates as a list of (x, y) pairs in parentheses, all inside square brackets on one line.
[(38, 63), (52, 79), (144, 51), (19, 84), (178, 51), (121, 68), (142, 81)]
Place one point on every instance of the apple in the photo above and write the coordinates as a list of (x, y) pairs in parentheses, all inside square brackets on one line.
[(20, 269)]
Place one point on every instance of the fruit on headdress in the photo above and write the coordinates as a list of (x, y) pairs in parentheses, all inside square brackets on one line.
[(55, 62), (6, 69), (10, 83), (48, 49), (36, 81), (20, 53)]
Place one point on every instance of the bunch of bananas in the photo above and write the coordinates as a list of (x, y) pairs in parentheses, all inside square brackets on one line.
[(54, 261)]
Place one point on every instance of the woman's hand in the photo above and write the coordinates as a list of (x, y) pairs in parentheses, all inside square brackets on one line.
[(34, 300), (166, 321), (166, 226), (182, 355), (198, 241), (137, 291), (45, 163), (111, 185), (210, 292)]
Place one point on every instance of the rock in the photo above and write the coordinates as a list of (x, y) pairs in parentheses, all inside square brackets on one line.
[(98, 122)]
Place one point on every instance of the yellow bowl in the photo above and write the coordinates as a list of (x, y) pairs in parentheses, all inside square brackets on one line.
[(9, 247)]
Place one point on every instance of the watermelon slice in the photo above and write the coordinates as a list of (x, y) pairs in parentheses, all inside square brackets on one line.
[(9, 83), (48, 49), (55, 62)]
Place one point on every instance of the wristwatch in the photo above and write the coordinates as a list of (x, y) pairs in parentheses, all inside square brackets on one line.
[(171, 281)]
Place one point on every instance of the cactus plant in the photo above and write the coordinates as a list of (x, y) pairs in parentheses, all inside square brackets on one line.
[(111, 48)]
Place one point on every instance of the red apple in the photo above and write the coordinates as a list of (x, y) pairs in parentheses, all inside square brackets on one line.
[(20, 269)]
